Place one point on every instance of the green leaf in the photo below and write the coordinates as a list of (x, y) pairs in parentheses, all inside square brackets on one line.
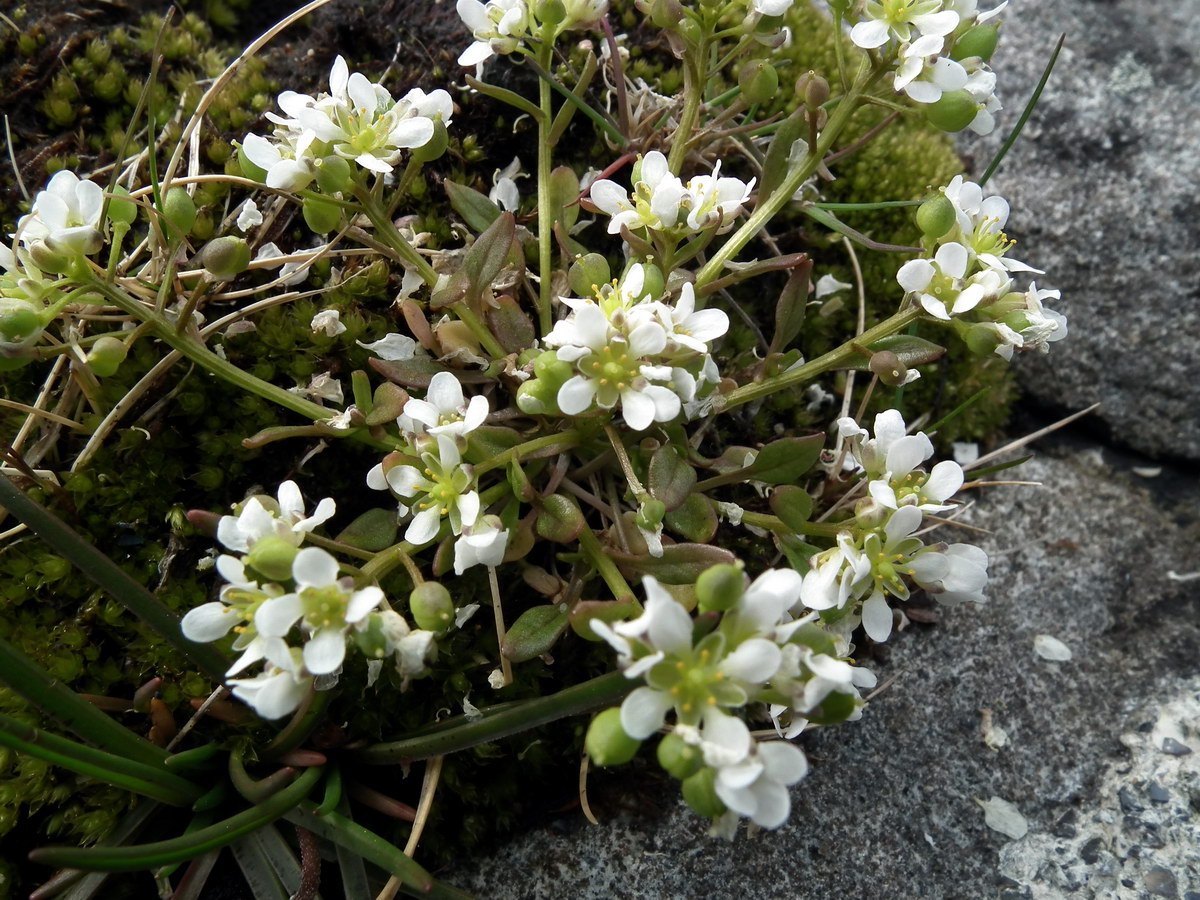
[(1025, 113), (174, 850), (489, 441), (792, 505), (564, 191), (679, 564), (670, 478), (475, 208), (785, 460), (696, 520), (374, 530), (108, 575), (534, 633), (791, 307), (510, 324), (777, 163), (387, 403), (419, 371), (560, 519)]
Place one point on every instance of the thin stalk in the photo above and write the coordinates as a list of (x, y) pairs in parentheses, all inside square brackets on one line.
[(392, 237), (769, 207), (607, 570), (545, 213), (563, 441), (815, 367), (774, 523), (461, 733), (481, 332), (385, 561), (693, 89)]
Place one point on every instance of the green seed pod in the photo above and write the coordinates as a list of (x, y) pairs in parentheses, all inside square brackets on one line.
[(981, 340), (272, 557), (935, 217), (431, 606), (435, 146), (700, 793), (179, 209), (812, 89), (650, 514), (120, 210), (606, 743), (249, 169), (889, 368), (979, 40), (226, 257), (653, 283), (333, 174), (20, 322), (321, 215), (371, 639), (719, 587), (587, 274), (953, 112), (679, 758), (551, 12), (758, 80), (106, 356)]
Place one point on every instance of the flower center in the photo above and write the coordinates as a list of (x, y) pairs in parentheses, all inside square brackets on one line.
[(324, 606)]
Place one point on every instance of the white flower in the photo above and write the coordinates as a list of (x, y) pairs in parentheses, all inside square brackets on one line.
[(981, 85), (829, 582), (956, 574), (322, 386), (968, 10), (444, 488), (923, 75), (757, 787), (328, 321), (327, 607), (409, 646), (887, 19), (980, 225), (284, 519), (249, 216), (941, 286), (444, 409), (498, 26), (1042, 326), (287, 169), (393, 346), (688, 328), (656, 201), (771, 7), (711, 200), (504, 191), (481, 544), (583, 13), (279, 689), (66, 216)]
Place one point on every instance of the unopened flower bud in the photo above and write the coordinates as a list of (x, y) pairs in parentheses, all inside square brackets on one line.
[(979, 40), (50, 259), (321, 216), (953, 112), (179, 209), (272, 557), (981, 339), (700, 793), (106, 356), (650, 514), (889, 368), (653, 282), (120, 209), (679, 758), (606, 743), (536, 398), (333, 174), (587, 273), (248, 168), (758, 80), (431, 606), (868, 513), (226, 257), (370, 638), (936, 216), (551, 12), (719, 587)]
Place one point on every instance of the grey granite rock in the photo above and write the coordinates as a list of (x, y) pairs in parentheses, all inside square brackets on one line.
[(890, 809), (1103, 189)]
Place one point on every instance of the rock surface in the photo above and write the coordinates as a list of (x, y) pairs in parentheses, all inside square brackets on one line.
[(1102, 189), (1096, 559)]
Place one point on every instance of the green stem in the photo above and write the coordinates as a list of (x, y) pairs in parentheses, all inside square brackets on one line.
[(693, 89), (774, 523), (608, 571), (130, 775), (165, 331), (131, 858), (482, 334), (545, 213), (811, 369), (565, 440), (461, 733), (770, 206), (391, 236), (385, 560)]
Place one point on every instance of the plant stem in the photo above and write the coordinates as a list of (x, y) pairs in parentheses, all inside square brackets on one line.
[(392, 237), (566, 440), (545, 213), (607, 570), (815, 367), (461, 733), (774, 523), (769, 207), (693, 90)]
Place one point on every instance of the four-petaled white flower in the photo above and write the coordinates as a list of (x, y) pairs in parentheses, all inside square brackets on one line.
[(757, 786), (326, 606), (884, 20), (284, 519), (446, 487), (481, 544), (655, 203), (941, 285), (444, 409), (498, 26), (924, 75), (279, 688), (771, 7), (688, 328), (712, 200), (65, 216)]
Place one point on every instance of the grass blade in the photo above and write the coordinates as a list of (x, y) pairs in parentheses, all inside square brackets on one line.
[(1025, 114), (111, 577), (264, 883), (75, 713)]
